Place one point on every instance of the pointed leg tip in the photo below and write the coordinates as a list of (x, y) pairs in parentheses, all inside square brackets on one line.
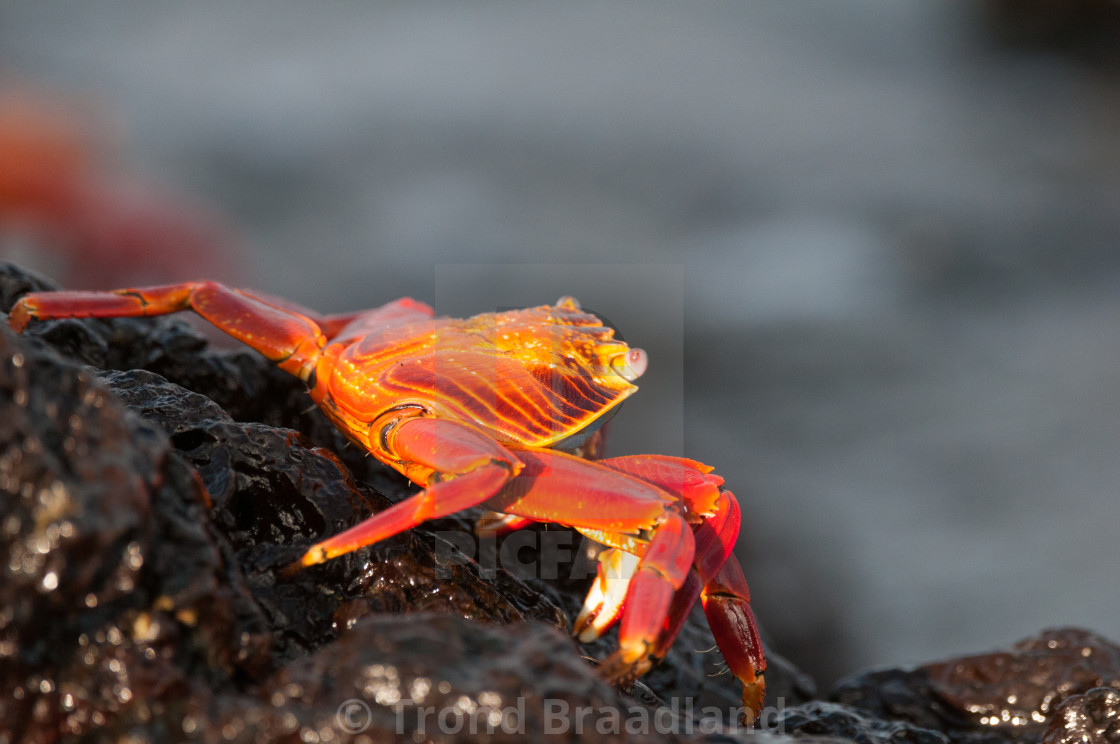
[(312, 557), (19, 317), (754, 699), (291, 569), (626, 665)]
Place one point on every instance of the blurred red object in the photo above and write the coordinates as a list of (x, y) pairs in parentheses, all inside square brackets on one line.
[(67, 211)]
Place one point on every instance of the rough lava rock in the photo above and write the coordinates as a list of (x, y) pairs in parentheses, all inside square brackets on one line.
[(153, 489), (1002, 696)]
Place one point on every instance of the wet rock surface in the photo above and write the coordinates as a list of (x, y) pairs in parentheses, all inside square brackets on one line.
[(1001, 696), (1091, 718), (1022, 686), (153, 490)]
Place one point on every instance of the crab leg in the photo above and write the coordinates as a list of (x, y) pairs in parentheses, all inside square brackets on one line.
[(651, 592), (289, 339), (662, 571), (552, 487), (273, 326), (715, 540), (727, 607), (726, 601), (473, 467), (691, 481)]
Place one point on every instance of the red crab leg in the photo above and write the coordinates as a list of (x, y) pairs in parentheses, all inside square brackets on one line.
[(477, 465), (562, 488), (330, 325), (691, 481), (271, 325), (662, 572), (683, 603), (288, 338), (554, 487), (726, 601), (715, 539)]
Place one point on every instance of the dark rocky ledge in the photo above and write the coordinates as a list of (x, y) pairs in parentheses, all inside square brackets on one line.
[(153, 488)]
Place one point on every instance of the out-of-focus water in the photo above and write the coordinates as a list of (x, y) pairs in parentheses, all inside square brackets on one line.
[(873, 254)]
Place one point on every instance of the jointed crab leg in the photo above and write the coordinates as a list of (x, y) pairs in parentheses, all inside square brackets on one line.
[(661, 573), (275, 327), (726, 601), (286, 337), (715, 541), (477, 465), (553, 487)]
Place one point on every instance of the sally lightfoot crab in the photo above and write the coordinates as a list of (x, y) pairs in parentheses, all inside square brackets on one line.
[(473, 411)]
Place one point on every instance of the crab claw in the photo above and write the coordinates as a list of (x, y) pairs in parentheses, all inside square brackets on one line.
[(662, 571), (604, 602)]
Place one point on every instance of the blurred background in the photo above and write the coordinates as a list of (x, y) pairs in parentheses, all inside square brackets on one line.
[(871, 248)]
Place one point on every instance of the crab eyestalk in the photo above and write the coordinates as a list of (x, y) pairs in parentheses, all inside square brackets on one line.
[(631, 364)]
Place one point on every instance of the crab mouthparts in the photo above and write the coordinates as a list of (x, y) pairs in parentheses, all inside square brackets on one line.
[(630, 365)]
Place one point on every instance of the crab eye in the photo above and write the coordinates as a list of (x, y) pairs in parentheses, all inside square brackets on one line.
[(630, 365)]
